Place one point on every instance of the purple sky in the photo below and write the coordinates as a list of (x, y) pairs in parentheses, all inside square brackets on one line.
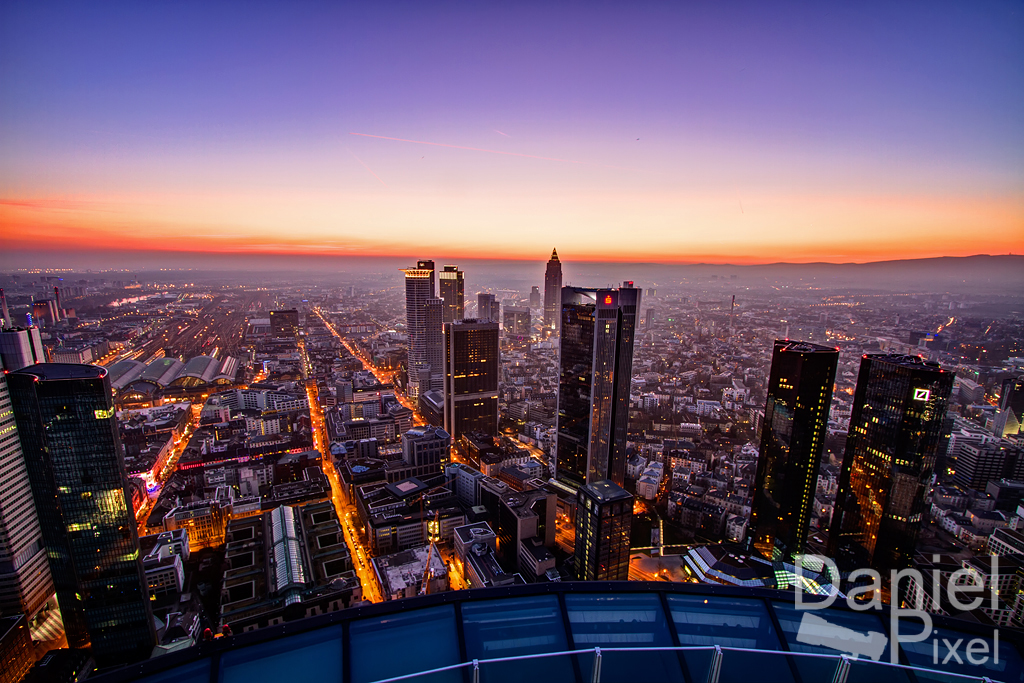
[(744, 130)]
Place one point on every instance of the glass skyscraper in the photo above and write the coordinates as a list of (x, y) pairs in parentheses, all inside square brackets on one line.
[(75, 465), (595, 370), (424, 313), (895, 432), (452, 282), (795, 422), (471, 377), (552, 292), (604, 515), (25, 583)]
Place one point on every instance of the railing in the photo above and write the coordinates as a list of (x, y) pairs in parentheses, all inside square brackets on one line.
[(840, 675)]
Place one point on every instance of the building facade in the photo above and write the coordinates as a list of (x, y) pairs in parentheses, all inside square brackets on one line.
[(471, 377), (452, 283), (25, 583), (517, 322), (891, 447), (595, 371), (424, 312), (604, 514), (487, 307), (792, 437), (21, 347), (76, 467)]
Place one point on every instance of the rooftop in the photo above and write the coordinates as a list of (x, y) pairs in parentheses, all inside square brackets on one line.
[(52, 372), (757, 630)]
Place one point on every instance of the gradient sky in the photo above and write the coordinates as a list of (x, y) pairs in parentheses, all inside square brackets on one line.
[(673, 132)]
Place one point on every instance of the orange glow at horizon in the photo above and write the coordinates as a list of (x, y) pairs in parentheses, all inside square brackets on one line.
[(635, 226)]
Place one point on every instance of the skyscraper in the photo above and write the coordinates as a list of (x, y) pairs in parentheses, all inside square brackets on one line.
[(604, 515), (487, 307), (453, 291), (76, 468), (284, 323), (25, 583), (595, 371), (423, 313), (20, 347), (471, 377), (534, 297), (895, 431), (795, 423), (553, 292)]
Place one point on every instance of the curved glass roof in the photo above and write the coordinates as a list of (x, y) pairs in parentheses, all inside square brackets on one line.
[(761, 633)]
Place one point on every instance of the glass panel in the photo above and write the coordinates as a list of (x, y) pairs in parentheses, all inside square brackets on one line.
[(729, 622), (627, 620), (312, 655), (194, 672), (948, 650), (405, 643), (506, 628), (834, 632)]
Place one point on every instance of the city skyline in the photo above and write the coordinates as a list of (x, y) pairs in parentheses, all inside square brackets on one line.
[(740, 134)]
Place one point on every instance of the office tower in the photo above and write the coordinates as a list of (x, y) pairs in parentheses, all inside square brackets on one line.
[(76, 468), (1009, 420), (284, 323), (426, 447), (552, 292), (423, 314), (979, 463), (604, 514), (20, 347), (471, 377), (452, 282), (793, 433), (6, 320), (517, 322), (487, 307), (649, 319), (434, 336), (534, 297), (25, 583), (895, 430), (595, 371)]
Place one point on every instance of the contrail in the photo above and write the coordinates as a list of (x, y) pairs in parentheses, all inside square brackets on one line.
[(366, 167), (500, 133), (472, 149)]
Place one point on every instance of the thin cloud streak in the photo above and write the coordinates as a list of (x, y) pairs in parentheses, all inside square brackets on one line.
[(472, 149), (366, 167)]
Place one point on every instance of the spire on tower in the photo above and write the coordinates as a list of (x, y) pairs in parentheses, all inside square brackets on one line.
[(554, 254)]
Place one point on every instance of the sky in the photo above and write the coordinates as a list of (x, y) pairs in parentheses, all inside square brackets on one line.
[(732, 132)]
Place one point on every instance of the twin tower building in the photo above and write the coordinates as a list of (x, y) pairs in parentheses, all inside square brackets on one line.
[(892, 444)]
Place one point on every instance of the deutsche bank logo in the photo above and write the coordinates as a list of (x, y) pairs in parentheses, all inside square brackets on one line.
[(922, 394)]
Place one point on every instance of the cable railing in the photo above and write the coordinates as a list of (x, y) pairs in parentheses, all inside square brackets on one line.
[(840, 675)]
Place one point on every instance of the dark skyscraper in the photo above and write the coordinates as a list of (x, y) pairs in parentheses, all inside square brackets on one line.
[(5, 314), (452, 282), (534, 297), (895, 431), (552, 292), (795, 422), (604, 514), (471, 377), (595, 371), (487, 307), (76, 468)]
